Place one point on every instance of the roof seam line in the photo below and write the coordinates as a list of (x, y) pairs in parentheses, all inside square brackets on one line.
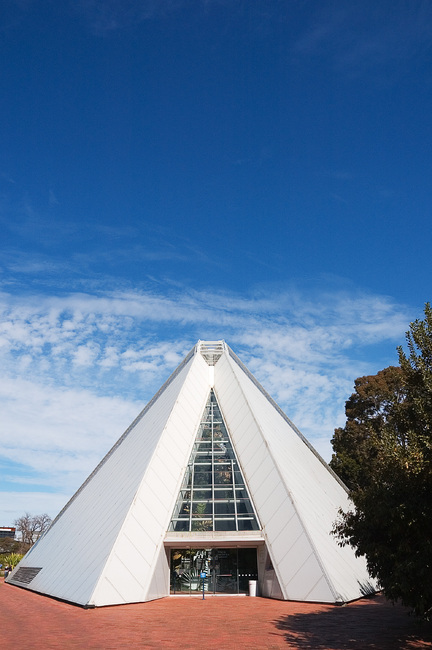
[(276, 464), (284, 415), (125, 434)]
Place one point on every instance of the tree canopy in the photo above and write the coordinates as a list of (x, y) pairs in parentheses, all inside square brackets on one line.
[(31, 527), (384, 454), (370, 409)]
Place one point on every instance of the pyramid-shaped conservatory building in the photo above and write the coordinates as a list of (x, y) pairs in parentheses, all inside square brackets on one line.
[(213, 478)]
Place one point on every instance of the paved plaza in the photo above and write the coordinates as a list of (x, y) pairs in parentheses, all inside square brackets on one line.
[(31, 621)]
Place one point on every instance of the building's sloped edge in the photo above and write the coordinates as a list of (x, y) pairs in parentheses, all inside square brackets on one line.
[(127, 432), (73, 553)]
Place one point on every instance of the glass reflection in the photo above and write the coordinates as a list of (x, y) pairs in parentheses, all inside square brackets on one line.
[(228, 570), (213, 495)]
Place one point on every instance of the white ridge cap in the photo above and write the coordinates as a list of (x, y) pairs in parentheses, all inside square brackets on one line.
[(211, 350)]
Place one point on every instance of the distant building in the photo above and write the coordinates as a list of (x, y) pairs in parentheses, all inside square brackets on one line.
[(212, 484), (7, 531)]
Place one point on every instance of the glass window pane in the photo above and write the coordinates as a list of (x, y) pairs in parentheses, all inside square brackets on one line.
[(202, 477), (224, 508), (188, 476), (225, 524), (223, 493), (205, 446), (244, 507), (202, 508), (222, 476), (209, 476), (180, 526), (202, 524), (238, 478), (202, 494), (247, 524)]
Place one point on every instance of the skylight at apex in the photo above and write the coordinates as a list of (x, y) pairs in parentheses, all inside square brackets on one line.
[(211, 351)]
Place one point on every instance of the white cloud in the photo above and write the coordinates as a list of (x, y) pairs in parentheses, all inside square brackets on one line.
[(106, 16), (55, 436), (15, 504), (76, 369), (52, 421), (86, 355)]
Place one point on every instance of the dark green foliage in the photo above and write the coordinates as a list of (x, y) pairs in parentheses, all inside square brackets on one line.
[(369, 409), (8, 545), (417, 370), (384, 453)]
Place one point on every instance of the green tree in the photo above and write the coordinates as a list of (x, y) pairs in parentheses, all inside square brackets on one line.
[(9, 545), (369, 409), (391, 476)]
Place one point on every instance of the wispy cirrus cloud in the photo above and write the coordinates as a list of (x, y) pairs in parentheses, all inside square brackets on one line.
[(106, 16), (354, 37), (77, 368), (284, 322), (40, 242)]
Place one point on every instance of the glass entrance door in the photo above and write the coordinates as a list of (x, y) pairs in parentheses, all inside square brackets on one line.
[(228, 570)]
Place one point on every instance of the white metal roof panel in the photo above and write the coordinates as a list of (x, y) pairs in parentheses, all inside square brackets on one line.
[(124, 508), (150, 512), (95, 515), (312, 487)]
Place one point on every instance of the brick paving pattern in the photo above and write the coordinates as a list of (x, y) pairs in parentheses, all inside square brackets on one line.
[(31, 621)]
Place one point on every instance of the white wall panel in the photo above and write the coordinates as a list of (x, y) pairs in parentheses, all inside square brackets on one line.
[(124, 508), (248, 440), (93, 519), (269, 584), (291, 532), (159, 585), (136, 532), (306, 578), (264, 479), (313, 490), (152, 507), (319, 592)]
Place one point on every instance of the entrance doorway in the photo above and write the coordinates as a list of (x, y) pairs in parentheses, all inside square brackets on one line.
[(228, 570)]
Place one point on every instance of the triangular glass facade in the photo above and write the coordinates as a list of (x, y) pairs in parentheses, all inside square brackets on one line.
[(213, 495)]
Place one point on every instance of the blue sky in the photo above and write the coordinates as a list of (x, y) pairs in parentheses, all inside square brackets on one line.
[(180, 169)]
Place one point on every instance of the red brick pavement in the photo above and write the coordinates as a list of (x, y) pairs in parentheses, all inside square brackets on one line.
[(29, 620)]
